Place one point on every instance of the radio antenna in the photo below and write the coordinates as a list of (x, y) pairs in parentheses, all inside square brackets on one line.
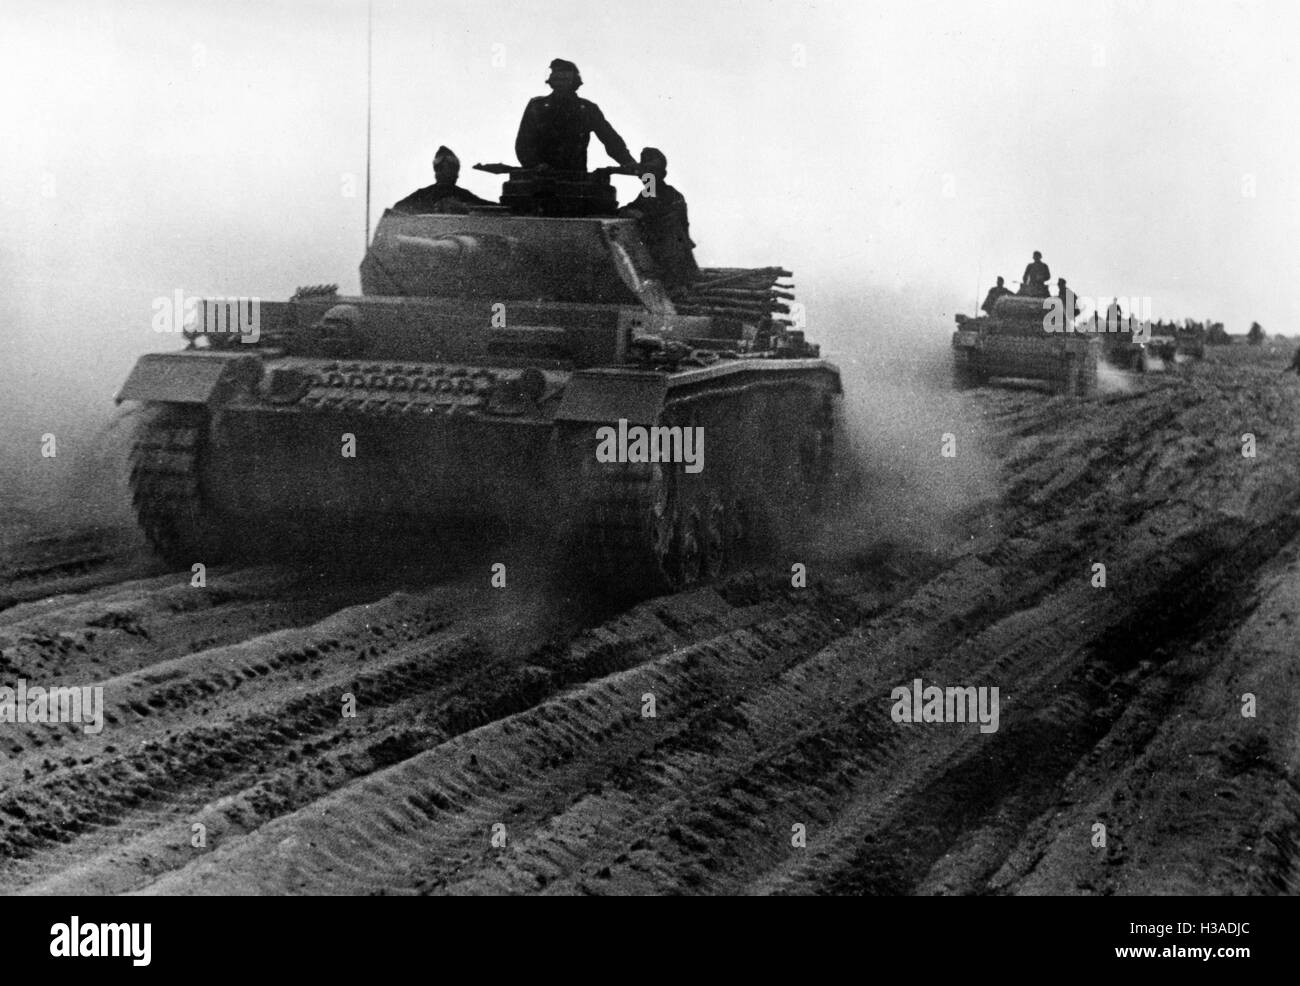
[(370, 30)]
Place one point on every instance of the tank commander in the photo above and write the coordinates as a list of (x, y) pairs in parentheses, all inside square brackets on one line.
[(995, 292), (660, 210), (444, 195), (1034, 283), (555, 129)]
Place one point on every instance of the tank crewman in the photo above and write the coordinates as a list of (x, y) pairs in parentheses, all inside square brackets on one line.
[(1034, 283), (1069, 303), (555, 129), (444, 195), (661, 211), (995, 292), (1114, 316)]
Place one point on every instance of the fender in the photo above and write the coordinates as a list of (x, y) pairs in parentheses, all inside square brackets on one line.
[(190, 377), (599, 396)]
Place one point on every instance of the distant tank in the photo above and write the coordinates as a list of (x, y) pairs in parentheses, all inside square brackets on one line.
[(1164, 348), (1013, 342), (493, 365), (1191, 341), (1136, 350)]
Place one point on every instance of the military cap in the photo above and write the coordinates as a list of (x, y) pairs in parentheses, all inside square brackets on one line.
[(561, 65), (652, 155)]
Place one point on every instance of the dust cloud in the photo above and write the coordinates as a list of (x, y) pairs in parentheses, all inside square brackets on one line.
[(1113, 381), (63, 454), (898, 490)]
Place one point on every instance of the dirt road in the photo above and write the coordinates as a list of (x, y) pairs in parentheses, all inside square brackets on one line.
[(502, 739)]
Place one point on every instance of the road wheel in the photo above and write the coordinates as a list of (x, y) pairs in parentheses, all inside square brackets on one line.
[(740, 529), (690, 550), (715, 540), (662, 525)]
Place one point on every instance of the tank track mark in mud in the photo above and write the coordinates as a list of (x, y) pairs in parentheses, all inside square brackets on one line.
[(646, 528)]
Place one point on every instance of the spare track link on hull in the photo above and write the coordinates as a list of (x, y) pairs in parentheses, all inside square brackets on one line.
[(165, 483)]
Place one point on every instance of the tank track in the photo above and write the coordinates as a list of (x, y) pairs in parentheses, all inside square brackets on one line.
[(620, 538), (165, 487), (648, 528)]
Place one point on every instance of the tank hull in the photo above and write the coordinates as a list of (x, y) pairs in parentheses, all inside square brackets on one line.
[(1067, 363), (287, 465), (207, 476)]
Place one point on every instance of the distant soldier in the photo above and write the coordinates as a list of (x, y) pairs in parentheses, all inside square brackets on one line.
[(1034, 283), (1114, 316), (555, 129), (1295, 363), (1069, 303), (991, 299), (661, 211), (444, 195)]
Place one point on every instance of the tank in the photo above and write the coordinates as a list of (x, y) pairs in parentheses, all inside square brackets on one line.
[(1191, 341), (1126, 350), (525, 364), (1164, 349), (1014, 343), (1130, 344)]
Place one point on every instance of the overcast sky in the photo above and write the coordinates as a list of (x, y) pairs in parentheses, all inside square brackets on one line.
[(1146, 148)]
